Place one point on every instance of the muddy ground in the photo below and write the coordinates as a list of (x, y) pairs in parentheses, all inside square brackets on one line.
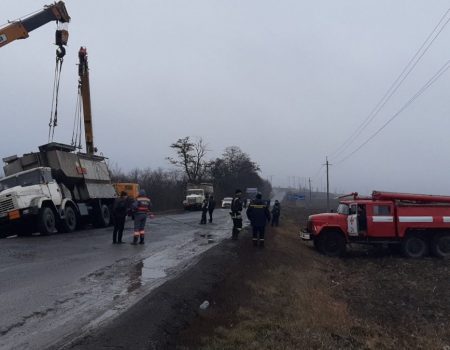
[(288, 296)]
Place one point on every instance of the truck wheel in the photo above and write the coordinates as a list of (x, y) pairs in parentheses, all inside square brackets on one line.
[(316, 243), (414, 247), (69, 223), (332, 243), (46, 221), (104, 216), (440, 246)]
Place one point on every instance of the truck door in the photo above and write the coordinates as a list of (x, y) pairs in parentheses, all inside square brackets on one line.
[(53, 188), (352, 220), (382, 221)]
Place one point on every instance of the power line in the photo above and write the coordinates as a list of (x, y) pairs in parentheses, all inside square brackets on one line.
[(395, 85), (430, 82), (316, 174)]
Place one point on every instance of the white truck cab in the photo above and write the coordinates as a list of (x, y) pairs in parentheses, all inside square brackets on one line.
[(24, 194)]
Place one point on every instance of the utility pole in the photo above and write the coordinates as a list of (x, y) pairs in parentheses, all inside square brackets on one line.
[(328, 186), (309, 180)]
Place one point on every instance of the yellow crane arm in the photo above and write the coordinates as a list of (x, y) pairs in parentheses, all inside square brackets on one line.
[(83, 72), (20, 29)]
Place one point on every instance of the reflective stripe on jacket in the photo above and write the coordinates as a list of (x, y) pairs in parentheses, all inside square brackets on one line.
[(258, 213), (142, 204)]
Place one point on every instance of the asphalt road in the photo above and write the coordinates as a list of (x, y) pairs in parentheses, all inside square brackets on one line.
[(56, 288)]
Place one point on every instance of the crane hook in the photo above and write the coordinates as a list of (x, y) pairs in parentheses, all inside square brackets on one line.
[(60, 52)]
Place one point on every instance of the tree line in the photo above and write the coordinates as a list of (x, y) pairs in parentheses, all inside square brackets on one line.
[(167, 188)]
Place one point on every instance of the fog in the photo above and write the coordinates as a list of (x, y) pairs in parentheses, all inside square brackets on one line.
[(286, 81)]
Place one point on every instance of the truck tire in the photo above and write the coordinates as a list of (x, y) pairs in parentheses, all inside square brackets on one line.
[(103, 218), (316, 243), (332, 243), (440, 246), (70, 221), (46, 221), (414, 246)]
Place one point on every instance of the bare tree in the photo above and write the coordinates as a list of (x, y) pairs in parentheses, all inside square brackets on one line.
[(235, 169), (191, 158)]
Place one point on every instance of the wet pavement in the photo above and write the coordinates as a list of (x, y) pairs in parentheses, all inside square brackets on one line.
[(56, 288)]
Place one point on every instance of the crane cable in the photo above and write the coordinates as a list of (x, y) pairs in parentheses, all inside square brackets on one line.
[(55, 96), (77, 122)]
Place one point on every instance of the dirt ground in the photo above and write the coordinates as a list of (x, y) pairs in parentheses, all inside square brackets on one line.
[(288, 296)]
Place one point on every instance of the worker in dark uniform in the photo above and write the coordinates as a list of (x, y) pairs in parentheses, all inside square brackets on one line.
[(204, 211), (211, 207), (141, 209), (362, 219), (258, 214), (236, 209), (120, 210), (276, 211)]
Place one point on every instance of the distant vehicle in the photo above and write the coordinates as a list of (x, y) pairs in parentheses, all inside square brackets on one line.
[(196, 194), (416, 222), (132, 189), (226, 202), (250, 194)]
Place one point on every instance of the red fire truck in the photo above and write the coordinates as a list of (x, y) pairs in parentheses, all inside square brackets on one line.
[(418, 223)]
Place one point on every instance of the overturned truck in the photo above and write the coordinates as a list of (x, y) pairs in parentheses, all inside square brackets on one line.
[(55, 189)]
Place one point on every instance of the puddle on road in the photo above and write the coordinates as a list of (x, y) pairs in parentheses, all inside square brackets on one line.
[(148, 270), (156, 268)]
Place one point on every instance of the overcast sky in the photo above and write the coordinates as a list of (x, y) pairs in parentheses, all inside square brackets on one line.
[(286, 81)]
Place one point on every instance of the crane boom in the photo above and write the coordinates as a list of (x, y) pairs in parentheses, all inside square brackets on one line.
[(20, 29), (85, 91)]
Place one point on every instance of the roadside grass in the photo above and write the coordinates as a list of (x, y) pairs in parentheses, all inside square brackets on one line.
[(288, 296), (283, 305)]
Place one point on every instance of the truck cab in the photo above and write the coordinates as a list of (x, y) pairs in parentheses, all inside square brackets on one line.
[(24, 193), (365, 218), (196, 194)]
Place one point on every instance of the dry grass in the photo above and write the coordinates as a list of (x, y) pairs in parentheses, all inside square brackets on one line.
[(290, 297)]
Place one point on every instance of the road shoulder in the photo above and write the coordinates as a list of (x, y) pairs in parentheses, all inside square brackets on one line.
[(154, 321)]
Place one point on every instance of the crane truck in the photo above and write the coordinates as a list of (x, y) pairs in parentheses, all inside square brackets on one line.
[(57, 188), (418, 223), (20, 29)]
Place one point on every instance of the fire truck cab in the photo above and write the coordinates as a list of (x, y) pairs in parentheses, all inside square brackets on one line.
[(418, 223)]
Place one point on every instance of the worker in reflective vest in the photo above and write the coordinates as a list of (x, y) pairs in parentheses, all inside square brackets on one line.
[(141, 209)]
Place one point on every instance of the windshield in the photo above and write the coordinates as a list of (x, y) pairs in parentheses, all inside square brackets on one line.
[(227, 199), (342, 209), (195, 192), (27, 179)]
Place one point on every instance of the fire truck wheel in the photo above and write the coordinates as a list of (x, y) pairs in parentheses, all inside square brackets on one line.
[(414, 247), (440, 246), (46, 221), (316, 243), (332, 243)]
